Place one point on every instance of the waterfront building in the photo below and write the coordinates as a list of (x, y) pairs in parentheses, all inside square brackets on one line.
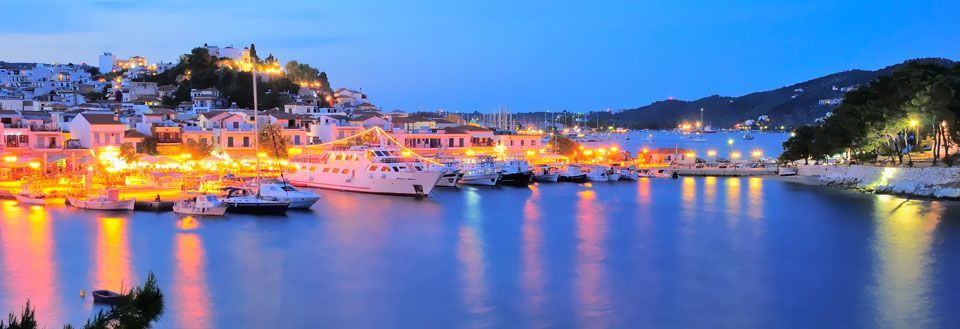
[(97, 129)]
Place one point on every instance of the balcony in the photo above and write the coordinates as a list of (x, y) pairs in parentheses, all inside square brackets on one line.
[(168, 140), (46, 127)]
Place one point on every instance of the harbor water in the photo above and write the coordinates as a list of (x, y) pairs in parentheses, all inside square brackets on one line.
[(686, 253)]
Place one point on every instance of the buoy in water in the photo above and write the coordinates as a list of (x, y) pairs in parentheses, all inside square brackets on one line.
[(83, 294)]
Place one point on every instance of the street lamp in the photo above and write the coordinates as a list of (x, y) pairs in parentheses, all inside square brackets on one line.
[(916, 136)]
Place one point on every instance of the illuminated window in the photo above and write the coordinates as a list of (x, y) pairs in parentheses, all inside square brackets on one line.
[(336, 170), (372, 168), (326, 169)]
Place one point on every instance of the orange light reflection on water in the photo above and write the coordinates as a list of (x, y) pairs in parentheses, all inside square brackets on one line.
[(191, 304), (29, 268), (590, 278), (112, 255)]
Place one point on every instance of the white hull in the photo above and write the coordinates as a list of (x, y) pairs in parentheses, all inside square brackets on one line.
[(449, 180), (613, 177), (597, 178), (481, 179), (629, 175), (547, 177), (23, 199), (396, 183), (189, 209), (97, 204)]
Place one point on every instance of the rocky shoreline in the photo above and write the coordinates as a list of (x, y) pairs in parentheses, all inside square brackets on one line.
[(931, 182)]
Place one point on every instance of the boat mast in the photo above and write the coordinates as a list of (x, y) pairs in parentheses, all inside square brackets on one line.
[(256, 127)]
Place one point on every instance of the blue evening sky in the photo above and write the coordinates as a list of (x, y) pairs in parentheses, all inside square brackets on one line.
[(524, 55)]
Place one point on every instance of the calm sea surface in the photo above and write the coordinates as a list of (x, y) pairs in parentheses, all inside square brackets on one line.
[(686, 253)]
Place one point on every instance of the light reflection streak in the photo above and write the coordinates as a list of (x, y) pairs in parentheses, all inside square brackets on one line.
[(688, 198), (470, 252), (29, 268), (591, 287), (902, 247), (191, 305), (755, 198), (710, 192), (733, 201), (112, 256), (643, 191), (532, 277)]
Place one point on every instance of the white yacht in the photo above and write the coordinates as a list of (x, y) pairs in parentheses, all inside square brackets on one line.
[(365, 169), (284, 192)]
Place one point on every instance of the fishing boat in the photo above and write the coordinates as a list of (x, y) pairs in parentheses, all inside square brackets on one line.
[(366, 169), (629, 174), (747, 136), (572, 174), (645, 173), (108, 199), (29, 196), (480, 173), (105, 297), (597, 174), (284, 192), (664, 173), (243, 201), (546, 174), (613, 175), (202, 204), (515, 173), (649, 138)]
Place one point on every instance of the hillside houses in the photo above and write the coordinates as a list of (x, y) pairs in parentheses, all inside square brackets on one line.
[(65, 111)]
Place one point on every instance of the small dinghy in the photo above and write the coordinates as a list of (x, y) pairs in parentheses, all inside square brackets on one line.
[(105, 297)]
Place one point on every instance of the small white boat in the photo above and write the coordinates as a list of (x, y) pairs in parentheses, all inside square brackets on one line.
[(546, 174), (663, 173), (38, 197), (203, 204), (284, 192), (747, 137), (451, 174), (483, 173), (108, 199), (613, 175), (645, 173), (572, 174), (485, 179), (597, 175)]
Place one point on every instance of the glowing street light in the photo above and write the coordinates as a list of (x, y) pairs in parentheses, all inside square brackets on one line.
[(756, 154), (916, 136)]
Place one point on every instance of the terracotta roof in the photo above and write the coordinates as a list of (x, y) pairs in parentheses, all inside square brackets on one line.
[(101, 118), (133, 134), (401, 120), (472, 128)]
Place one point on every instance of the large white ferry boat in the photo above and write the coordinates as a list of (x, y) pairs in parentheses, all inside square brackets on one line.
[(366, 169)]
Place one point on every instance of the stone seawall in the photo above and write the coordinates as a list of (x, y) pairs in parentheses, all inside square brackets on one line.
[(935, 182)]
